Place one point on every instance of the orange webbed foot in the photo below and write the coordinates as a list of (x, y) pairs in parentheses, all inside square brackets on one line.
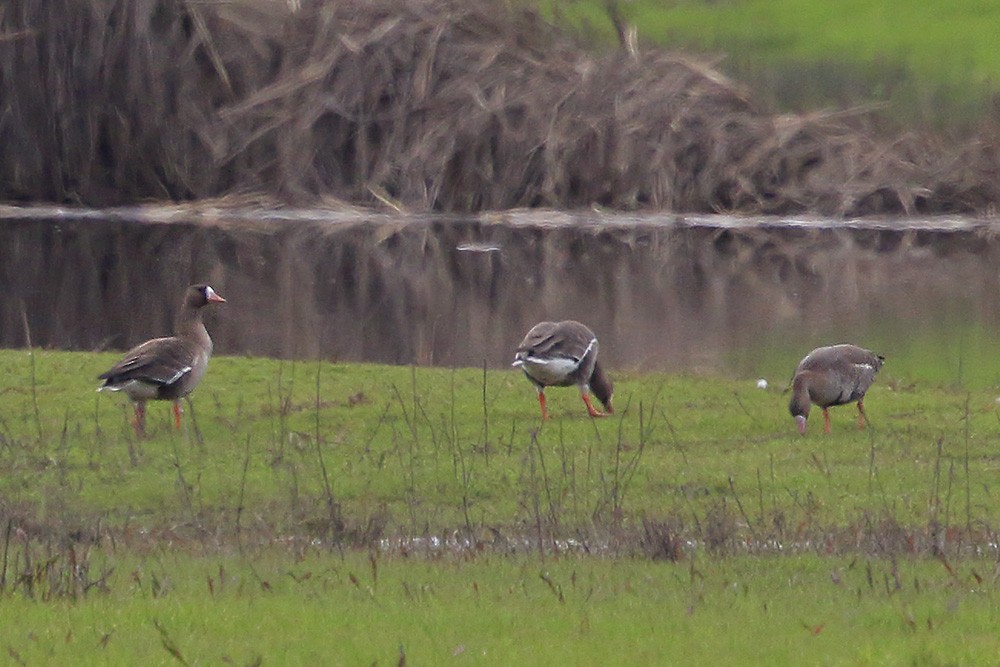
[(594, 412)]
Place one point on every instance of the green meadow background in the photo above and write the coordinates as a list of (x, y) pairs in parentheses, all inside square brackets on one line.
[(933, 64)]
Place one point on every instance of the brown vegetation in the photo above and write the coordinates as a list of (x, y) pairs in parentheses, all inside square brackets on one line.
[(450, 105)]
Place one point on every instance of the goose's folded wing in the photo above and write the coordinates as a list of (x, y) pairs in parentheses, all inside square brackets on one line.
[(563, 340), (161, 361)]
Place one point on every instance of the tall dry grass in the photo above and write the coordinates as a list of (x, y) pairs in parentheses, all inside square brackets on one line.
[(451, 105)]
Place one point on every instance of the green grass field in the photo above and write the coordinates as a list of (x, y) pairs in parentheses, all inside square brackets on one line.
[(324, 608), (342, 513), (928, 61), (429, 450)]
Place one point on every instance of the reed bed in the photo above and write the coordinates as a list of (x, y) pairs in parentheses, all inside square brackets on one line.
[(427, 105)]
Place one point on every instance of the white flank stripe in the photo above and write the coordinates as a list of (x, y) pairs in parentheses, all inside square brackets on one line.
[(549, 371), (177, 376)]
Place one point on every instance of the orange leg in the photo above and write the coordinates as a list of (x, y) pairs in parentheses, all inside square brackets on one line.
[(862, 417), (826, 420), (541, 402), (594, 412), (140, 419), (177, 414)]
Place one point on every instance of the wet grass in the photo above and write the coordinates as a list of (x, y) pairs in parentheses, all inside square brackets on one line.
[(348, 609), (353, 514)]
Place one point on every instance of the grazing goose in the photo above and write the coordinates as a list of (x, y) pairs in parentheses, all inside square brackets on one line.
[(560, 354), (833, 375), (166, 368)]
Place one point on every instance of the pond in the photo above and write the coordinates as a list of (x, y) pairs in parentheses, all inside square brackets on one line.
[(717, 294)]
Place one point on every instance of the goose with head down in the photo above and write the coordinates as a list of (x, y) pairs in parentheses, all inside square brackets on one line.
[(562, 354), (833, 375)]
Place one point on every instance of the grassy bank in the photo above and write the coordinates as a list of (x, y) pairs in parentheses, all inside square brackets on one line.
[(932, 63)]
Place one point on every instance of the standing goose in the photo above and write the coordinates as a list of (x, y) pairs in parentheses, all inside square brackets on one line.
[(560, 354), (166, 368), (833, 375)]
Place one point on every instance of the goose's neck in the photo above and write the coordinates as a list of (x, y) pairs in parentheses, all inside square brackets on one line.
[(189, 325), (799, 404)]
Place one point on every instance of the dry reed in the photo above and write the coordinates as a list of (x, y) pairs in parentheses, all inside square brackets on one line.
[(442, 105)]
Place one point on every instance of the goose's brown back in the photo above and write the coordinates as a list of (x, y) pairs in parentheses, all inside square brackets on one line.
[(565, 352), (838, 374)]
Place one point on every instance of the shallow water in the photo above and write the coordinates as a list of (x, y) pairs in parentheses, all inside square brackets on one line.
[(831, 543), (740, 295)]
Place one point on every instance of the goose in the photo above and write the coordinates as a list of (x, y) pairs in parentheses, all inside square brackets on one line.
[(833, 375), (561, 354), (166, 368)]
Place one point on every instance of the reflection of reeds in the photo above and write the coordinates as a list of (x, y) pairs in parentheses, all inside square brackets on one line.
[(659, 294), (456, 105)]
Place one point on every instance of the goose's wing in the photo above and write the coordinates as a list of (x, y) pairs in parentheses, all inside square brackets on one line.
[(161, 361)]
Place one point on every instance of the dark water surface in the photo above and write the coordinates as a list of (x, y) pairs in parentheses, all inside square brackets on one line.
[(720, 294)]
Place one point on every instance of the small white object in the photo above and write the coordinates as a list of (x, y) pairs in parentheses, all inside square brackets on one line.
[(477, 247), (762, 383)]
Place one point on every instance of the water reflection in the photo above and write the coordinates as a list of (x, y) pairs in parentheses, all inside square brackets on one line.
[(736, 295)]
